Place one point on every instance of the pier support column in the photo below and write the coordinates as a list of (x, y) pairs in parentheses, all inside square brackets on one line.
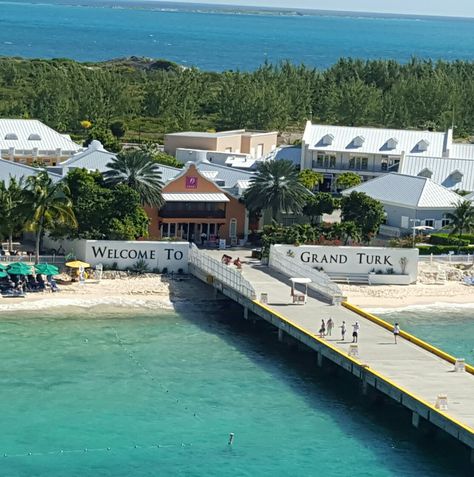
[(364, 386), (415, 420), (472, 456), (246, 313), (319, 359), (280, 335)]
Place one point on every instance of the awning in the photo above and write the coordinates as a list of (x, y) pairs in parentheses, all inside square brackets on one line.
[(188, 197)]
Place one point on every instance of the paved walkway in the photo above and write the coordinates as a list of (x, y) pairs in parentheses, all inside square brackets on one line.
[(411, 367)]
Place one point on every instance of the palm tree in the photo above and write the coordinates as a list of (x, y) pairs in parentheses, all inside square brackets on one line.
[(462, 219), (136, 169), (49, 204), (12, 217), (276, 186)]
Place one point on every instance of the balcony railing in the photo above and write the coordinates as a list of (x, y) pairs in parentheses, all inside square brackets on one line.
[(192, 214)]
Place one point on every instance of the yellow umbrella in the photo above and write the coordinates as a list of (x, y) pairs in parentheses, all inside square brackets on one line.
[(77, 264)]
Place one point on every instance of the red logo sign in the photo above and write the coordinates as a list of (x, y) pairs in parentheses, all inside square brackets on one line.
[(191, 182)]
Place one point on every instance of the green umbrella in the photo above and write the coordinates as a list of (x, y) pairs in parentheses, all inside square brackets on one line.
[(47, 269), (3, 274), (3, 267), (19, 268)]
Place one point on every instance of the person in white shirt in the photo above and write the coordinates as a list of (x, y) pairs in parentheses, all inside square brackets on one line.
[(355, 332), (396, 331)]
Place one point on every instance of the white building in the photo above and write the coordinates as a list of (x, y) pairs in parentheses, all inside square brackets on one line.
[(29, 141), (409, 201), (9, 170), (371, 152)]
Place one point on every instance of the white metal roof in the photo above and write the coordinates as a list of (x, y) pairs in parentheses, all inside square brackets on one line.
[(470, 197), (408, 191), (450, 173), (191, 197), (358, 140), (462, 151), (9, 169), (33, 134), (212, 135)]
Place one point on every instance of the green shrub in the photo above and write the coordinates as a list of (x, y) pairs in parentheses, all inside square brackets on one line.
[(447, 239), (444, 250), (140, 267)]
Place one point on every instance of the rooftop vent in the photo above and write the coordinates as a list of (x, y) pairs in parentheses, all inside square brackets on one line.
[(422, 145), (456, 176), (34, 137), (425, 173), (327, 140), (392, 143), (358, 141), (11, 137)]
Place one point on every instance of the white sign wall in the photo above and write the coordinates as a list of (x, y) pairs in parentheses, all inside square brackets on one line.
[(157, 255), (354, 260)]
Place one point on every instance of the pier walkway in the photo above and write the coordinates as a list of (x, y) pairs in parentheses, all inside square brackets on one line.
[(408, 372)]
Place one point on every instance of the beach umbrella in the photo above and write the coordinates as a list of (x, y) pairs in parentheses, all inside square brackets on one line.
[(19, 268), (3, 267), (46, 269), (3, 274), (77, 264)]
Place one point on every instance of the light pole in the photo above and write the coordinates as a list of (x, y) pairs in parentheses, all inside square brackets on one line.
[(414, 221)]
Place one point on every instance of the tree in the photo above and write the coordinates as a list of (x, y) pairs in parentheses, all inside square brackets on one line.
[(276, 187), (347, 180), (364, 211), (310, 179), (12, 217), (103, 213), (49, 204), (158, 156), (100, 133), (462, 219), (318, 204), (135, 169), (117, 128)]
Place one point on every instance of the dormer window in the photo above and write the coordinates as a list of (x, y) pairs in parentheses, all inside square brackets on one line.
[(34, 137), (422, 145), (425, 173), (392, 143), (11, 137), (456, 176), (327, 140), (358, 141)]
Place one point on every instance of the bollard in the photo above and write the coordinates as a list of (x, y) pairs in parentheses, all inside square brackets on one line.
[(264, 298), (460, 365), (442, 402), (354, 350)]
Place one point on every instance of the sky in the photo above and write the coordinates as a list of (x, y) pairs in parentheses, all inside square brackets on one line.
[(461, 8)]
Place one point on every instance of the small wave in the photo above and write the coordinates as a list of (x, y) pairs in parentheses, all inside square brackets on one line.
[(86, 303), (432, 307)]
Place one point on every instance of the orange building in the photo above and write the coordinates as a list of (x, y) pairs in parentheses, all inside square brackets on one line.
[(198, 210)]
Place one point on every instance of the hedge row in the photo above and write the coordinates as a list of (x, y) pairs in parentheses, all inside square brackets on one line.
[(444, 250), (447, 239)]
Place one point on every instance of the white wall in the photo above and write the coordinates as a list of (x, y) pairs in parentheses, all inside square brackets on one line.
[(353, 260)]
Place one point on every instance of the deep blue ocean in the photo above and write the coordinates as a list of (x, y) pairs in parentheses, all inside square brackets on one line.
[(220, 39)]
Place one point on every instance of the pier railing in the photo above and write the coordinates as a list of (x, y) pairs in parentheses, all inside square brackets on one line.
[(224, 274), (320, 282)]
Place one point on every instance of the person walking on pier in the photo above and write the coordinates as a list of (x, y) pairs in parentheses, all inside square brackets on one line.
[(355, 332), (322, 330), (330, 326), (396, 331), (343, 330)]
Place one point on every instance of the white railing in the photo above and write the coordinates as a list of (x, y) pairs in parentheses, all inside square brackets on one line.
[(229, 277), (320, 282), (30, 258), (447, 258)]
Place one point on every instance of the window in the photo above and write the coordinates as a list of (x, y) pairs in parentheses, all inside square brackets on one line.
[(324, 161), (11, 137), (445, 222), (429, 222), (392, 143), (384, 165), (34, 137), (233, 228), (327, 140), (359, 163)]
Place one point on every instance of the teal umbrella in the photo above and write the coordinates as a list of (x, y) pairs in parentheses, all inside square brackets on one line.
[(46, 269), (19, 268), (3, 267), (3, 274)]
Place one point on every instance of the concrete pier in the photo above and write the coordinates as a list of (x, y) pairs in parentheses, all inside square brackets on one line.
[(411, 372)]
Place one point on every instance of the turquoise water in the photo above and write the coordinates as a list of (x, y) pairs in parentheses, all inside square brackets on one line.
[(139, 393), (221, 39), (450, 328)]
